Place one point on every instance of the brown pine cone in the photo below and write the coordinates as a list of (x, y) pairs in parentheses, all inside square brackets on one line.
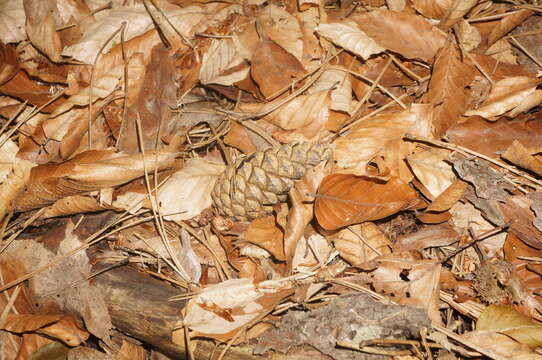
[(247, 189)]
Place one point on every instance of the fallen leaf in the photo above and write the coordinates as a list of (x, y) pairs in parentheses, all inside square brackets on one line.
[(500, 346), (519, 155), (348, 199), (12, 20), (265, 233), (432, 170), (41, 27), (188, 191), (338, 81), (361, 243), (348, 36), (507, 321), (221, 64), (505, 95), (423, 39), (506, 25), (283, 28), (273, 68)]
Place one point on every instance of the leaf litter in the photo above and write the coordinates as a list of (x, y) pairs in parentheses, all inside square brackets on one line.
[(245, 180)]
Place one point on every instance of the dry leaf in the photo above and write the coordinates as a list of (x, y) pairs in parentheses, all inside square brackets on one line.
[(505, 95), (311, 252), (506, 24), (338, 81), (423, 39), (500, 346), (519, 155), (12, 21), (86, 49), (188, 191), (41, 27), (348, 36), (531, 101), (221, 309), (283, 28), (455, 12), (360, 243), (222, 65), (9, 65), (409, 282), (265, 233), (432, 170), (131, 351), (447, 89), (347, 199), (298, 113), (376, 136), (273, 68), (508, 321)]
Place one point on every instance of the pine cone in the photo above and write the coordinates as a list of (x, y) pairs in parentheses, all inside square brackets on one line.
[(248, 188)]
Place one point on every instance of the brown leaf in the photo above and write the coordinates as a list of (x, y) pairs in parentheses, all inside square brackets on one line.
[(71, 205), (447, 91), (41, 27), (432, 170), (348, 36), (347, 199), (519, 155), (507, 24), (273, 68), (20, 86), (492, 138), (131, 351), (9, 65), (389, 29), (86, 172), (265, 233), (238, 138), (282, 28), (430, 236), (449, 196)]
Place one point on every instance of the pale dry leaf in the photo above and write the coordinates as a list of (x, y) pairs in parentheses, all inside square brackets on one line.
[(311, 252), (389, 29), (221, 309), (375, 135), (8, 153), (348, 36), (500, 346), (503, 51), (12, 186), (41, 27), (12, 21), (433, 9), (396, 5), (189, 19), (409, 282), (432, 170), (465, 216), (455, 12), (222, 65), (101, 88), (137, 22), (246, 39), (519, 155), (283, 28), (357, 244), (529, 102), (188, 191), (505, 95), (71, 205), (336, 79), (300, 112), (508, 321)]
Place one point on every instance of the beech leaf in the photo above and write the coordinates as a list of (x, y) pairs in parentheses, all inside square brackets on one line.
[(348, 36)]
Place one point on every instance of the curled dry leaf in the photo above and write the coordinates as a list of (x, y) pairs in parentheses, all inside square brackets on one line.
[(360, 243), (355, 150), (506, 25), (348, 36), (519, 155), (423, 39), (409, 282), (222, 309), (71, 205), (431, 169), (89, 171), (505, 95), (348, 199), (311, 252), (222, 65), (338, 81), (265, 233), (188, 191), (86, 49)]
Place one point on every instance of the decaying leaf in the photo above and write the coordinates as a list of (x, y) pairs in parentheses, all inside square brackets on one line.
[(220, 310)]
